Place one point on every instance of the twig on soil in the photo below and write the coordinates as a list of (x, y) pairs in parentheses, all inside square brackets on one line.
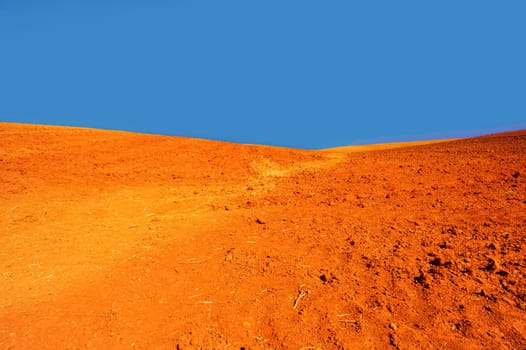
[(261, 339), (302, 294), (195, 261), (128, 259), (349, 321), (196, 295)]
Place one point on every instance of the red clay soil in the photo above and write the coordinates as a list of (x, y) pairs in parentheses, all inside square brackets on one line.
[(129, 241)]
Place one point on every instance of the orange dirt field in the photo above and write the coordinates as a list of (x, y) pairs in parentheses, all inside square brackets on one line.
[(114, 240)]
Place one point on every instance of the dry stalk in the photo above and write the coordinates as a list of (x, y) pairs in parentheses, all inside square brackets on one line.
[(349, 321), (195, 261), (302, 294)]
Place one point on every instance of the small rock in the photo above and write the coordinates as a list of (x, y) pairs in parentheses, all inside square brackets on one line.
[(422, 279), (491, 266), (259, 221), (436, 262), (492, 246), (515, 174)]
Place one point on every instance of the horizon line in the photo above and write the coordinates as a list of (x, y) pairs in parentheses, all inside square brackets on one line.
[(453, 135)]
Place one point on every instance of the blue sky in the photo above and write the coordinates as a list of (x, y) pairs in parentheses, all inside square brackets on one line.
[(308, 74)]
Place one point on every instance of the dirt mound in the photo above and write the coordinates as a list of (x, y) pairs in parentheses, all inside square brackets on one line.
[(122, 240)]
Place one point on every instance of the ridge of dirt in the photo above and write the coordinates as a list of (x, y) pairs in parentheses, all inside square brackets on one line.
[(385, 146), (122, 240)]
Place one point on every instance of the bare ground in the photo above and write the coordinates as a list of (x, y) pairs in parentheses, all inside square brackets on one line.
[(121, 240)]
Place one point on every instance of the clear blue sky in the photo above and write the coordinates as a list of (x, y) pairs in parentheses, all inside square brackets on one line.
[(303, 73)]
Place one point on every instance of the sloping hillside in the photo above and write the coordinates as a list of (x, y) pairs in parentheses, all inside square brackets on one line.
[(122, 240)]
